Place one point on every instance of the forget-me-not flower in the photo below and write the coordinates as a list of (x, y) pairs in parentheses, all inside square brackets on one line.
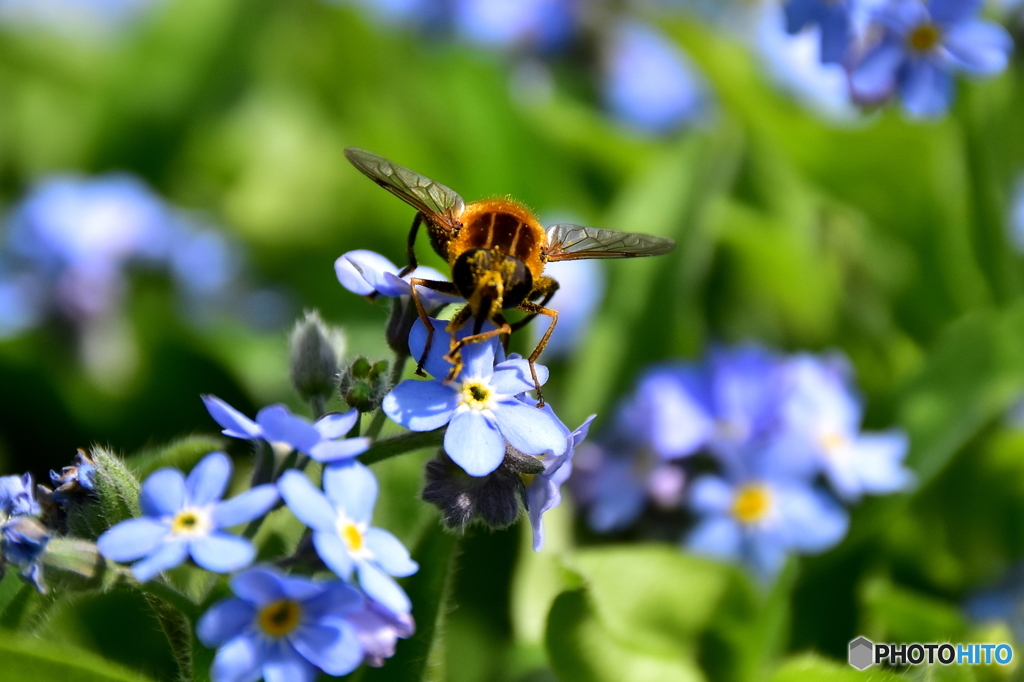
[(832, 17), (499, 24), (185, 517), (340, 520), (757, 519), (76, 480), (324, 440), (17, 496), (922, 44), (282, 628), (480, 408), (368, 273), (379, 630), (22, 542)]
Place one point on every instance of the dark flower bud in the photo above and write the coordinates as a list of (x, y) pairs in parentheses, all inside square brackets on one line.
[(314, 350), (363, 385), (76, 481), (495, 500)]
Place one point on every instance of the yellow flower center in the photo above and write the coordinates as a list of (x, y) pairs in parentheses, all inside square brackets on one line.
[(279, 618), (832, 441), (924, 37), (477, 395), (752, 503), (352, 536), (191, 523)]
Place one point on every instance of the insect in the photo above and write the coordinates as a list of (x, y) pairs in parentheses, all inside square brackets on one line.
[(496, 249)]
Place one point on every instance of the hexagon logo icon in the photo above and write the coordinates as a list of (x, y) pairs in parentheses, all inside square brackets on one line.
[(861, 653)]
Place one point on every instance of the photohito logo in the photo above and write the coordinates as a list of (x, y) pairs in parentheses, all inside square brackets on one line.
[(864, 652)]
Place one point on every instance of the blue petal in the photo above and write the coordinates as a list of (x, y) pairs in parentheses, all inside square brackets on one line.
[(432, 300), (421, 405), (280, 425), (352, 488), (766, 555), (717, 536), (284, 664), (677, 409), (225, 620), (926, 88), (163, 493), (166, 556), (513, 377), (383, 588), (980, 47), (336, 424), (208, 480), (389, 553), (478, 360), (234, 423), (541, 495), (619, 498), (529, 430), (333, 648), (132, 539), (953, 11), (873, 79), (800, 13), (881, 455), (356, 268), (243, 508), (835, 33), (474, 443), (811, 521), (331, 451), (222, 553), (334, 552), (902, 16), (239, 660), (258, 586), (435, 364), (302, 589), (711, 495), (337, 598), (307, 503)]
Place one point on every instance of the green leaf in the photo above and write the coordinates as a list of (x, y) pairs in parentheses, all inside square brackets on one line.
[(896, 614), (811, 668), (31, 660), (428, 589), (181, 454)]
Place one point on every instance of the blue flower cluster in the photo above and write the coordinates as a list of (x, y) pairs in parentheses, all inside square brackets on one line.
[(907, 47), (784, 436), (23, 538)]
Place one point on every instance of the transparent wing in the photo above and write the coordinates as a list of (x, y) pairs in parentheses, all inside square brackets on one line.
[(575, 242), (437, 202)]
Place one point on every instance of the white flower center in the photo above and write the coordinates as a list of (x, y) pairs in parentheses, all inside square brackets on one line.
[(353, 535), (192, 522), (477, 395)]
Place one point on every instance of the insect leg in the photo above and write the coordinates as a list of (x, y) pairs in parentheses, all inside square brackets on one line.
[(410, 249), (534, 309), (546, 287), (503, 328), (440, 287)]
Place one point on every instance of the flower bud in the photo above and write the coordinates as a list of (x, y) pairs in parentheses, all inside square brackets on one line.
[(76, 481), (73, 564), (314, 351), (364, 385), (22, 541)]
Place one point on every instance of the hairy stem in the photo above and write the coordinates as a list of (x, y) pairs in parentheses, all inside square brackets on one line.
[(399, 445)]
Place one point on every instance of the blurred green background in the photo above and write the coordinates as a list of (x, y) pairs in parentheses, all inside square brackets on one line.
[(883, 237)]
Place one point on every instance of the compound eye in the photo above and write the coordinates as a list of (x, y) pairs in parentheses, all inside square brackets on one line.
[(518, 285), (465, 271)]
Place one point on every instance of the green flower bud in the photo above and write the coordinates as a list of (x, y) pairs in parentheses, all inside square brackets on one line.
[(363, 385), (314, 352)]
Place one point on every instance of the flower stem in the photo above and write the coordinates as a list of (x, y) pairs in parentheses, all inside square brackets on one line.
[(170, 596), (263, 470), (399, 445), (397, 369)]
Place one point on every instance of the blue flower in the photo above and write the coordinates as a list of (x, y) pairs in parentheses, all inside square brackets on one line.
[(368, 273), (922, 43), (480, 408), (22, 541), (649, 84), (758, 519), (324, 440), (282, 628), (184, 517), (77, 480), (379, 630), (819, 430), (17, 496), (544, 490), (340, 520), (538, 24), (833, 19)]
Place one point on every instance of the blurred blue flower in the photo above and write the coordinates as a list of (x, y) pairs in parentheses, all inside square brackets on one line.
[(831, 17), (17, 496), (79, 18), (544, 490), (324, 440), (648, 83), (22, 541), (541, 25), (340, 520), (368, 273), (922, 43), (482, 409), (379, 630), (794, 63), (184, 517), (581, 289), (819, 430), (758, 519), (282, 628)]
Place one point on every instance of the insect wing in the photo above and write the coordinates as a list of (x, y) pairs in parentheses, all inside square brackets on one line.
[(439, 203), (566, 241)]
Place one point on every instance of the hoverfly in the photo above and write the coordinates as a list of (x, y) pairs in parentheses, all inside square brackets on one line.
[(496, 249)]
